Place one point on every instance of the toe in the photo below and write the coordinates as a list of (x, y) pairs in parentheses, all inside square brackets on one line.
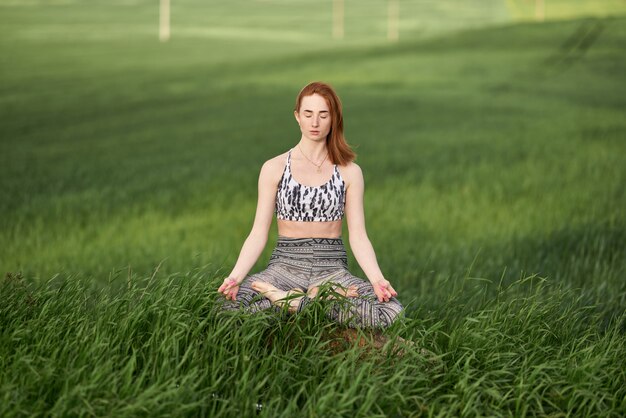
[(353, 291)]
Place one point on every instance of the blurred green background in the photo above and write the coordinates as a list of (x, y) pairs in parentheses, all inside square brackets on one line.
[(492, 143)]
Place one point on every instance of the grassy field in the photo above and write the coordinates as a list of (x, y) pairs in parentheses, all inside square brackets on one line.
[(494, 157)]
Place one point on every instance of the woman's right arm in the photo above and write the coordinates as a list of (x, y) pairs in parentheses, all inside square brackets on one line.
[(255, 243)]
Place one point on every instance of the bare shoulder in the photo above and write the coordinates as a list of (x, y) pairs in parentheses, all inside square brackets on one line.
[(351, 173), (273, 168)]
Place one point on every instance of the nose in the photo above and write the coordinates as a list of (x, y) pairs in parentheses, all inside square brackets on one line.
[(315, 121)]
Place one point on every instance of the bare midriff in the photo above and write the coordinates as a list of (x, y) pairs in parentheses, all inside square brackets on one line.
[(299, 229)]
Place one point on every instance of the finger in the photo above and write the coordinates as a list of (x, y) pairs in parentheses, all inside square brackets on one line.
[(227, 284), (389, 289), (225, 290), (385, 293)]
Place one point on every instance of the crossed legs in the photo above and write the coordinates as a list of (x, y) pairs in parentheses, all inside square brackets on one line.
[(294, 297), (278, 286)]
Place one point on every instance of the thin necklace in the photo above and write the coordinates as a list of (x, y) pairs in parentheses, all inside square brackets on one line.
[(319, 169)]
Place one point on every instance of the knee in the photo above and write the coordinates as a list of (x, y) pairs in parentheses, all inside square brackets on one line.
[(229, 305), (389, 312)]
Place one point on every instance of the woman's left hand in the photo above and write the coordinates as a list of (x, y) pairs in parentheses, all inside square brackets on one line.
[(383, 289)]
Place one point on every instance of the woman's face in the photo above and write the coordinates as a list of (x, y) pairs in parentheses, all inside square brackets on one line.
[(314, 117)]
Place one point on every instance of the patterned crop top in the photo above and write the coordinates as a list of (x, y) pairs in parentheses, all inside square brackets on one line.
[(297, 202)]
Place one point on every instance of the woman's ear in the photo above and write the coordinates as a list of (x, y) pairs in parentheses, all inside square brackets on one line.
[(295, 114)]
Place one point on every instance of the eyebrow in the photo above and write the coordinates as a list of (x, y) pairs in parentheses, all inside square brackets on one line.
[(321, 111)]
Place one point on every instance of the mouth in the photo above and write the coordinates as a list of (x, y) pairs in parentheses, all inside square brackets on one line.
[(315, 132)]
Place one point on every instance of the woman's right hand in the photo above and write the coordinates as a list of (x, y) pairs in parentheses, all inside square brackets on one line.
[(229, 288)]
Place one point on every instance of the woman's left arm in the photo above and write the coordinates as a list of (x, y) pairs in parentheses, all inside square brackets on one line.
[(359, 241)]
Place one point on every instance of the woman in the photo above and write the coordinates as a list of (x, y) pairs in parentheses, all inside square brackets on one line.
[(310, 188)]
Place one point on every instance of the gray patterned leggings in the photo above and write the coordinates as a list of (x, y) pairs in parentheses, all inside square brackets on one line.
[(302, 263)]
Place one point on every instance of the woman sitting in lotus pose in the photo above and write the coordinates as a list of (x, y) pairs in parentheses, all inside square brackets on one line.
[(310, 188)]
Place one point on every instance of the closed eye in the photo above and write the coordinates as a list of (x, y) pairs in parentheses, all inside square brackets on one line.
[(310, 112)]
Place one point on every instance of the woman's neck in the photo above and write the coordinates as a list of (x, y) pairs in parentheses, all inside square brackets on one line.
[(314, 150)]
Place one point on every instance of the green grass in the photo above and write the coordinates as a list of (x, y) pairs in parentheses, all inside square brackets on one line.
[(494, 168), (163, 348)]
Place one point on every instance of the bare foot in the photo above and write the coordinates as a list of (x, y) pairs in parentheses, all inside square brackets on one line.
[(350, 292), (278, 297)]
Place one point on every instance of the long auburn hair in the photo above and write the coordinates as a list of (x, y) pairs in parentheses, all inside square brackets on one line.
[(339, 151)]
